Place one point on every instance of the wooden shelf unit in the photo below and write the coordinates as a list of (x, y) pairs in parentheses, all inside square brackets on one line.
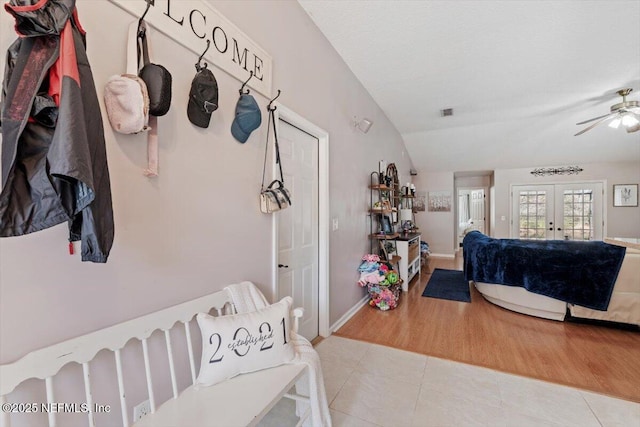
[(384, 236), (382, 216)]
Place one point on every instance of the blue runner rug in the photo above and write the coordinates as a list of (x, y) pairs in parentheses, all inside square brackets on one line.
[(448, 284)]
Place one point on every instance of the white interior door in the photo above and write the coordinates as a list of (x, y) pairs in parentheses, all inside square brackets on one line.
[(471, 211), (298, 225), (477, 210), (572, 211)]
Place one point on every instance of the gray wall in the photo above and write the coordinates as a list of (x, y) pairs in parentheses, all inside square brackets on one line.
[(437, 228), (197, 227)]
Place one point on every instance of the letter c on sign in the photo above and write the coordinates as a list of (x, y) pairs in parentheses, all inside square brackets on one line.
[(204, 19)]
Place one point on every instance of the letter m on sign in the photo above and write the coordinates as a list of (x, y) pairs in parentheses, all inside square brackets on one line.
[(237, 58)]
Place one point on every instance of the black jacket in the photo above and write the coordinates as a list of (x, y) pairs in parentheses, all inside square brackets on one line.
[(54, 163)]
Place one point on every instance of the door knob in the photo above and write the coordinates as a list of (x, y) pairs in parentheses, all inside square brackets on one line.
[(282, 266)]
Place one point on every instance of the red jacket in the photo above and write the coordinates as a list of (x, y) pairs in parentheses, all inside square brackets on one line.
[(54, 163)]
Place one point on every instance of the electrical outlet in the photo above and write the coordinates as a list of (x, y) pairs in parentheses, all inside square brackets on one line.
[(141, 410)]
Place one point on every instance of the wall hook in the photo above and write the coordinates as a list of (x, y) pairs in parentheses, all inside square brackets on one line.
[(244, 84), (198, 64), (141, 32), (271, 102)]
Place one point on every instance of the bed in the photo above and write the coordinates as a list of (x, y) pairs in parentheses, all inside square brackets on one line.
[(548, 279)]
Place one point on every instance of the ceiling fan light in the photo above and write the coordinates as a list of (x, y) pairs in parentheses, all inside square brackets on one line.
[(629, 120), (615, 123), (634, 128)]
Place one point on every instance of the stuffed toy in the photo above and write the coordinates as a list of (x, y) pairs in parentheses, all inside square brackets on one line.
[(379, 278)]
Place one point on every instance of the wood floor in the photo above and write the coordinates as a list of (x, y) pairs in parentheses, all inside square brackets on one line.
[(596, 358)]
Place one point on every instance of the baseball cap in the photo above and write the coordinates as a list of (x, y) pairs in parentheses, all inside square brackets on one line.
[(203, 98), (248, 118)]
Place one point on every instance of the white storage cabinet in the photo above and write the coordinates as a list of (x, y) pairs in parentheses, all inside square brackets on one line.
[(408, 249)]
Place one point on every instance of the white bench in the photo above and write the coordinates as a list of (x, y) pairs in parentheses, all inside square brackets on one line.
[(240, 401)]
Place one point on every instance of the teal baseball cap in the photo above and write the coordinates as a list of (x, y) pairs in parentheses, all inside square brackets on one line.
[(248, 118)]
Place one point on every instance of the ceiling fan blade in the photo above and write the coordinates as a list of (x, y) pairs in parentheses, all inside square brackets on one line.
[(602, 119), (596, 118)]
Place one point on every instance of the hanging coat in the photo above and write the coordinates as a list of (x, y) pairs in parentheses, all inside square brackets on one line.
[(54, 162)]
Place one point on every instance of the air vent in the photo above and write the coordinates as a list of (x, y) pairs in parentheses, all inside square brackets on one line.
[(446, 112)]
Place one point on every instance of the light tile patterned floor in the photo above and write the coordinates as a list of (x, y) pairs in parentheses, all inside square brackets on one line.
[(372, 385)]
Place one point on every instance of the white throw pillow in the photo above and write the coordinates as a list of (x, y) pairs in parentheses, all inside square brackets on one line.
[(247, 342)]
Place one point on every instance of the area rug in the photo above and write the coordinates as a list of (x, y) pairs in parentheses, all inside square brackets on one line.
[(448, 284)]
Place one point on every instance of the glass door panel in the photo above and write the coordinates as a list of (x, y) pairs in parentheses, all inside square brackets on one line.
[(581, 211), (533, 212)]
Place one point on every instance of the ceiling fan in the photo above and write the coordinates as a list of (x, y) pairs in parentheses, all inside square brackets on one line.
[(626, 113)]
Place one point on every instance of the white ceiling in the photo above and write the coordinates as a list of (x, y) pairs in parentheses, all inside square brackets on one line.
[(518, 74)]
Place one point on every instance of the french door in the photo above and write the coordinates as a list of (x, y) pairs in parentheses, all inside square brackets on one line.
[(571, 211)]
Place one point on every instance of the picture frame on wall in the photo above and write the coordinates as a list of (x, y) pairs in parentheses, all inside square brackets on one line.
[(420, 202), (625, 195), (439, 201)]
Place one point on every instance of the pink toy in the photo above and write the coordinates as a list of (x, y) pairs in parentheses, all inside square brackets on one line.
[(371, 258), (384, 294)]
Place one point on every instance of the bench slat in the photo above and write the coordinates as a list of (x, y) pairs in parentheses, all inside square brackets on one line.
[(192, 364), (48, 383), (172, 369), (147, 370), (87, 393), (123, 398)]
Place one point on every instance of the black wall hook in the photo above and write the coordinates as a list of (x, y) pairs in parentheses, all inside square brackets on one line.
[(198, 64), (149, 4), (271, 102), (244, 84)]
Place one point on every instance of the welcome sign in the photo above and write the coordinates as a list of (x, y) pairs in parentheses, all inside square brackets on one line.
[(192, 22)]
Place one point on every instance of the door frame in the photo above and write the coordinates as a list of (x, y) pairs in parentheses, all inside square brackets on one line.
[(300, 122), (487, 228)]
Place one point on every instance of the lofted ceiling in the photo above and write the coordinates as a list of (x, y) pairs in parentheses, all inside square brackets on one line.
[(518, 75)]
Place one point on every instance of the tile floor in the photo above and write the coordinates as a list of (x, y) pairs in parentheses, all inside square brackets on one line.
[(372, 385)]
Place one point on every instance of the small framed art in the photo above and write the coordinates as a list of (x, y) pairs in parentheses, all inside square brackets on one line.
[(439, 201), (625, 195), (386, 225)]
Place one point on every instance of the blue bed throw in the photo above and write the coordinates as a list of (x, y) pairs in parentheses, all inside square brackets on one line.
[(581, 273)]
